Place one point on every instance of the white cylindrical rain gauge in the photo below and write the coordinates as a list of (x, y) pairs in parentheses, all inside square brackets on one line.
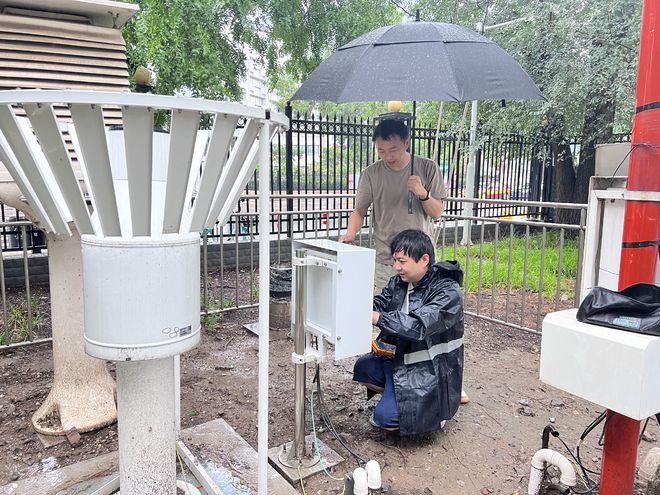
[(147, 305)]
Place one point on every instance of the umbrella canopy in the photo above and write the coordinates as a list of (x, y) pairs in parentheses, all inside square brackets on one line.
[(419, 61)]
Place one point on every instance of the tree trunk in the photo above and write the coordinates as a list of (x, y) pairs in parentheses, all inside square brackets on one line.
[(563, 181), (598, 123), (83, 392)]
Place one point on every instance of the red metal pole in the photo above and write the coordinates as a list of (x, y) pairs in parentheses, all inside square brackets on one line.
[(641, 232)]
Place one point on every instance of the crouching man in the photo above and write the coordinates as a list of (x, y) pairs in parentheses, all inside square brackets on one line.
[(417, 359)]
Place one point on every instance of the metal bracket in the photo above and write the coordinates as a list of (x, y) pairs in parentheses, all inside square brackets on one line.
[(313, 261), (626, 195), (310, 356)]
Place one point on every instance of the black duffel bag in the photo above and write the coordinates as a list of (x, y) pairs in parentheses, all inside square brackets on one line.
[(636, 309)]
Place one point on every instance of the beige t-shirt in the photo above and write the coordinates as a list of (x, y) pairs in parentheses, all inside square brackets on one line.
[(387, 191)]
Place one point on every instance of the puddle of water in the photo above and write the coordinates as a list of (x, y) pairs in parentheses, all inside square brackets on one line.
[(228, 483), (49, 464)]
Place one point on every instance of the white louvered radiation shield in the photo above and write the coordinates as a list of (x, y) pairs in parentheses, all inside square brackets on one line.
[(138, 195)]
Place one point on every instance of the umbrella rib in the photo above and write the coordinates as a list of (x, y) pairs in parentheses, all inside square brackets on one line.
[(351, 74), (425, 41), (453, 77), (364, 44)]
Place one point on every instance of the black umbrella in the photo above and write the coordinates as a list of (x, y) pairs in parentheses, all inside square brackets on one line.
[(419, 61)]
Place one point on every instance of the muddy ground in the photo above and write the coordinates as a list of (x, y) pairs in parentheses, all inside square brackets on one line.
[(486, 448)]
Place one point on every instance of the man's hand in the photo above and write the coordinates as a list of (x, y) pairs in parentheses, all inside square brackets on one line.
[(375, 316), (347, 237), (416, 187)]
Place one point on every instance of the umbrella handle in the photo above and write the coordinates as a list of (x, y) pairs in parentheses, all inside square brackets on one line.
[(410, 194)]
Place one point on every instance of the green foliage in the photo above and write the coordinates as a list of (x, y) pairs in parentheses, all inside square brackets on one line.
[(579, 53), (191, 46), (306, 32), (582, 54), (229, 303), (210, 322)]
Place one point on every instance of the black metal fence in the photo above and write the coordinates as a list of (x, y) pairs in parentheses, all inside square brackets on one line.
[(11, 237), (316, 166)]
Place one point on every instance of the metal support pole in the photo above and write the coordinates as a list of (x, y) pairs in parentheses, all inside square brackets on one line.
[(264, 302), (298, 450), (411, 202), (288, 160), (298, 453)]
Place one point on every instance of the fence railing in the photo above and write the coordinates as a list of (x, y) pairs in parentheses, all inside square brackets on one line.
[(326, 155), (516, 269)]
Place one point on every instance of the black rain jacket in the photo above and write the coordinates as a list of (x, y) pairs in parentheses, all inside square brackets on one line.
[(428, 361)]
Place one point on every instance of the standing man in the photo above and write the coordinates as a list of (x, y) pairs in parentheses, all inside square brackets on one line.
[(385, 184)]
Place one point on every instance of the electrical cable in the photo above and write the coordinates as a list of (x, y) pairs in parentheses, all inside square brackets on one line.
[(590, 490), (632, 147), (641, 434), (583, 475), (591, 485), (315, 438), (302, 485), (328, 421), (182, 470), (586, 432), (593, 425)]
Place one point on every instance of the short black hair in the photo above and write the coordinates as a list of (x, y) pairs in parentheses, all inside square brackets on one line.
[(390, 127), (413, 243)]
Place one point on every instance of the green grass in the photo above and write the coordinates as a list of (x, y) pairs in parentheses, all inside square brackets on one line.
[(550, 269), (17, 321)]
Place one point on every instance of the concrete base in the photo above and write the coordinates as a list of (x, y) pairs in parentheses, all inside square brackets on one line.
[(230, 453), (329, 458), (226, 456)]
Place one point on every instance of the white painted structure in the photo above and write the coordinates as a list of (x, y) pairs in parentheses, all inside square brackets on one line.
[(604, 233), (139, 223), (616, 369), (339, 295)]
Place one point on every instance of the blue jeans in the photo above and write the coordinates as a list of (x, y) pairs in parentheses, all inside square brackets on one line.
[(379, 371)]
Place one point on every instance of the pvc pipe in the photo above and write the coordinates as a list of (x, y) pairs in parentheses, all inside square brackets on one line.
[(360, 484), (553, 458), (147, 440), (264, 315), (187, 488), (373, 474)]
